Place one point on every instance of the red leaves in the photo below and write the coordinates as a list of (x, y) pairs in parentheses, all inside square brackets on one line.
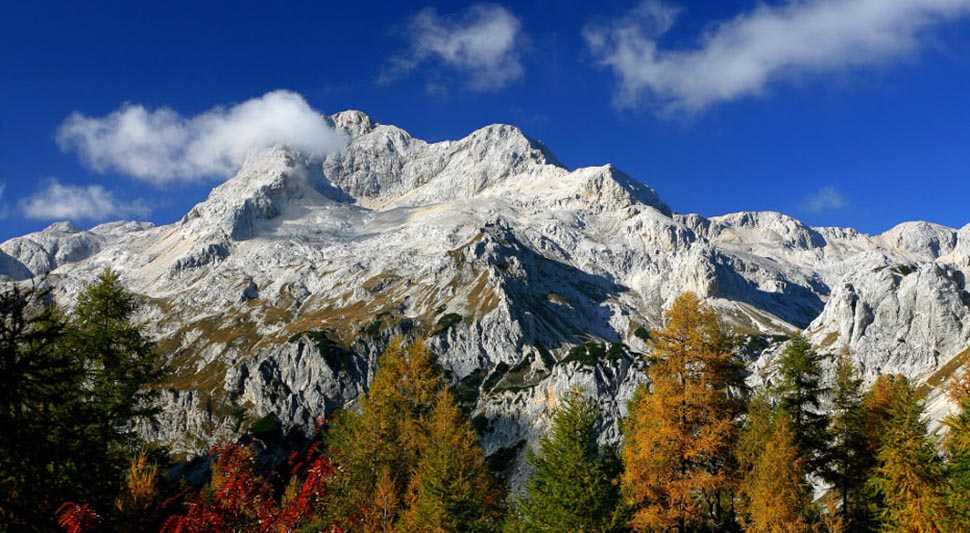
[(239, 497), (75, 518)]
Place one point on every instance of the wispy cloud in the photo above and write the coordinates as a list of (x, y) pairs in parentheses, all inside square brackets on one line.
[(69, 202), (824, 199), (161, 146), (742, 56), (4, 211), (481, 43)]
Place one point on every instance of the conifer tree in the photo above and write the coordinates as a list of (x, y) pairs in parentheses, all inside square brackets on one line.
[(852, 456), (574, 484), (957, 446), (909, 477), (39, 382), (119, 362), (389, 467), (451, 488), (777, 494), (800, 392), (678, 454)]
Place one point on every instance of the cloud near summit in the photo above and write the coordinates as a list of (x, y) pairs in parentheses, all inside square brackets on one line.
[(161, 146), (742, 56)]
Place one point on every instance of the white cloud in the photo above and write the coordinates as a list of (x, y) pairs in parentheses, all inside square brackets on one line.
[(161, 146), (482, 42), (824, 199), (741, 56), (69, 202)]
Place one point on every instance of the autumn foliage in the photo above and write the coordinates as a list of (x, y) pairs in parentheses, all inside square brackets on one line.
[(680, 435), (241, 498)]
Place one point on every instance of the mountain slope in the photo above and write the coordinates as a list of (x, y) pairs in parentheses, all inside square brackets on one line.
[(277, 293)]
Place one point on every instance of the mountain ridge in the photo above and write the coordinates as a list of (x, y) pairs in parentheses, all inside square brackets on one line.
[(278, 292)]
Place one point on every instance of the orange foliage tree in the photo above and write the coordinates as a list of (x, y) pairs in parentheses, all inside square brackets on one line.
[(680, 435)]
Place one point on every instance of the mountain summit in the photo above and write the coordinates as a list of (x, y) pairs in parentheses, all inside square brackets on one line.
[(276, 294)]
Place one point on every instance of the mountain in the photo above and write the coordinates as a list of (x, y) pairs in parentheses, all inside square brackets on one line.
[(276, 294)]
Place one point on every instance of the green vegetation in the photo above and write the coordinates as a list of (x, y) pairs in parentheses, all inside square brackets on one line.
[(446, 322), (574, 483), (594, 353)]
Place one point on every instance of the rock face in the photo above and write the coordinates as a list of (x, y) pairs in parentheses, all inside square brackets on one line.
[(276, 295)]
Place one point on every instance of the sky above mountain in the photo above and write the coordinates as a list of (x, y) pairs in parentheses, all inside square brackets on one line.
[(838, 112)]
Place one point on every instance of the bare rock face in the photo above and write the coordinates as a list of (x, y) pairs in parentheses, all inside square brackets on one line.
[(276, 295)]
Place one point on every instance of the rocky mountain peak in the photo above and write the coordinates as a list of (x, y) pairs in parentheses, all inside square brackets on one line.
[(921, 238), (355, 123)]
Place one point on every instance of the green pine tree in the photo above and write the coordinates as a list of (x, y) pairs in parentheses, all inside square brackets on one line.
[(852, 456), (574, 485), (120, 363), (39, 382), (800, 392), (957, 446)]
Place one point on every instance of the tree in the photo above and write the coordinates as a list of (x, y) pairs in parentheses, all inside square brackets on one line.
[(574, 483), (389, 467), (957, 447), (800, 392), (120, 363), (852, 457), (777, 494), (39, 382), (451, 488), (909, 477), (678, 455)]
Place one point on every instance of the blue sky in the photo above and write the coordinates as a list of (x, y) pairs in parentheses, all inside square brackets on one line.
[(838, 112)]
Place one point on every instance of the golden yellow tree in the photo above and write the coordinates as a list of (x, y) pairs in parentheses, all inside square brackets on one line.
[(679, 442), (777, 494), (377, 448), (451, 489), (409, 460)]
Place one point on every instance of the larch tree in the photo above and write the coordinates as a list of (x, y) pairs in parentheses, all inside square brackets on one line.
[(390, 457), (574, 484), (777, 494), (451, 488), (909, 476), (678, 455), (800, 391)]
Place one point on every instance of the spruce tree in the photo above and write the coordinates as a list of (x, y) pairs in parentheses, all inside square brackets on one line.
[(680, 436), (852, 456), (800, 392), (39, 381), (957, 447), (909, 477), (574, 483)]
